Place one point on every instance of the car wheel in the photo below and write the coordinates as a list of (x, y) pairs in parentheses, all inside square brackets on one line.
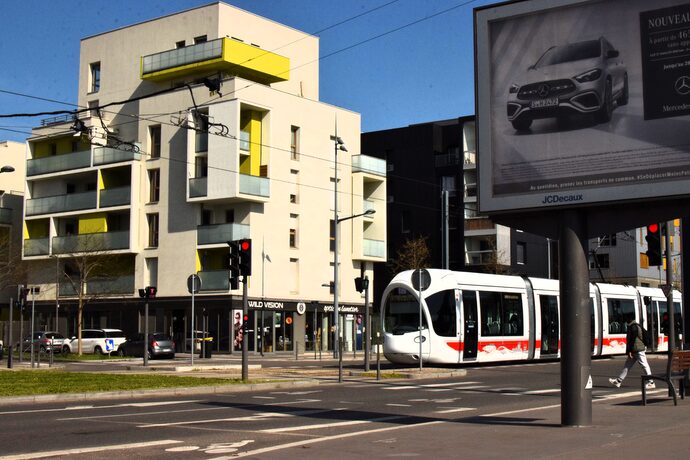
[(98, 351), (65, 350), (623, 100), (522, 124), (606, 110)]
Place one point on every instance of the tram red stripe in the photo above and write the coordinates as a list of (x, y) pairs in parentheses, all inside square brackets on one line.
[(457, 346)]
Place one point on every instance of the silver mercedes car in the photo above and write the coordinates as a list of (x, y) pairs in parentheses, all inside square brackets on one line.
[(586, 77)]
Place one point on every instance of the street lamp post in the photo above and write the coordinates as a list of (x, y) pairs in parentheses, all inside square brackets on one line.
[(6, 169), (338, 144)]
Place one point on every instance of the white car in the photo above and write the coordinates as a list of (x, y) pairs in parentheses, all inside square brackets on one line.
[(98, 341)]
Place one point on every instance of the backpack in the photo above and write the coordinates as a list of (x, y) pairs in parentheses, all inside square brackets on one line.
[(643, 334)]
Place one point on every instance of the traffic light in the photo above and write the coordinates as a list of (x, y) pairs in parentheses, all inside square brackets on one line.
[(245, 324), (234, 264), (361, 284), (245, 250), (149, 292), (653, 238)]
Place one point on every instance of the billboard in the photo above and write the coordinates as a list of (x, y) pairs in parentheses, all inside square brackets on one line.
[(582, 102)]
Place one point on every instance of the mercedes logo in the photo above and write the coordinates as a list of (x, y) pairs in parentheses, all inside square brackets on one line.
[(543, 90), (683, 85)]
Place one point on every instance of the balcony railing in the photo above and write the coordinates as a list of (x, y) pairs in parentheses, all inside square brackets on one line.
[(481, 223), (244, 141), (374, 248), (5, 216), (108, 155), (215, 280), (364, 163), (182, 56), (115, 196), (198, 186), (255, 185), (57, 163), (481, 257), (61, 203), (37, 247), (221, 233), (67, 289), (111, 285), (447, 159), (367, 205), (91, 242)]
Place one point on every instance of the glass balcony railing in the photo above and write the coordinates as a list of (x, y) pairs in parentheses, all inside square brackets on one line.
[(244, 141), (91, 242), (115, 196), (215, 280), (367, 205), (61, 203), (371, 165), (5, 216), (67, 289), (481, 257), (221, 233), (198, 186), (37, 247), (374, 248), (182, 56), (254, 185), (57, 163), (108, 155), (111, 285)]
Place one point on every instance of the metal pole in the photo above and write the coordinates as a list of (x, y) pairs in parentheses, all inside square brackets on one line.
[(33, 304), (336, 312), (245, 339), (21, 325), (367, 326), (576, 388), (9, 357), (57, 290), (192, 340), (340, 362), (669, 297), (146, 329), (378, 356), (419, 270), (445, 230), (685, 271)]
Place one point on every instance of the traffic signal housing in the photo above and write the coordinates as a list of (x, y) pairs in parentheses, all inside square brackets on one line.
[(361, 284), (653, 239), (245, 262), (234, 264), (149, 292)]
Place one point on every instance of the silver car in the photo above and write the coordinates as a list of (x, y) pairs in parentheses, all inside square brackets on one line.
[(586, 77)]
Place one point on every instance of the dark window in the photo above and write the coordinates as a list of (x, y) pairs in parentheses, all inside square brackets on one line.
[(153, 230), (206, 217), (521, 253), (91, 186), (201, 167), (200, 39), (601, 261), (293, 238), (71, 188), (229, 216), (294, 142), (95, 69), (405, 221), (154, 185), (155, 141), (401, 312), (180, 44), (442, 312), (620, 312), (293, 198), (501, 313)]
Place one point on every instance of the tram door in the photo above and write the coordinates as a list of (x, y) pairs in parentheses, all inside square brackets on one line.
[(469, 306), (549, 324), (652, 321)]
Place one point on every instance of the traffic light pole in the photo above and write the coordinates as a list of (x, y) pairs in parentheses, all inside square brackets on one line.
[(245, 337), (367, 327), (669, 297), (146, 331)]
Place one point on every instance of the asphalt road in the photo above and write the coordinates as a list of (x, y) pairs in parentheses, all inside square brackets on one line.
[(356, 419)]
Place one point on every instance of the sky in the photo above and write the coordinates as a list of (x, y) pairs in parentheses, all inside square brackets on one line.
[(407, 62)]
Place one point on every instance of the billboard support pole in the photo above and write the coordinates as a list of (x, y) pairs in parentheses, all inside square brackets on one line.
[(576, 359), (685, 272)]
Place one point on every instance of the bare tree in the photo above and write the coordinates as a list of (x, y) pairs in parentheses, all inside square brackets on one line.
[(414, 253), (12, 268)]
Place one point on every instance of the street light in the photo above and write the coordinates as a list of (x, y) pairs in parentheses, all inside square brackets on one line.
[(338, 144), (7, 169)]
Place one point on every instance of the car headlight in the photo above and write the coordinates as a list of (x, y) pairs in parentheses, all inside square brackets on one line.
[(590, 75), (514, 88)]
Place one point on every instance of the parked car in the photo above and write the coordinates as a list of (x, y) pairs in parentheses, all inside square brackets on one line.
[(158, 345), (44, 341), (98, 341), (585, 77)]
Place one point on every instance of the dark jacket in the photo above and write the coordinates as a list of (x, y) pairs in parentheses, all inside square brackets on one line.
[(634, 342)]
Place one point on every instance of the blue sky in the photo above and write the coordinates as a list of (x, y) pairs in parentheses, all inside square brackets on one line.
[(420, 73)]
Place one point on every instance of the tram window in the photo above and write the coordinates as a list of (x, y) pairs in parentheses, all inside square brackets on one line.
[(501, 313), (402, 313), (620, 312), (442, 312), (663, 312)]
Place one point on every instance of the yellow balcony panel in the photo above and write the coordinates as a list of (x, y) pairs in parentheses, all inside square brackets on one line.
[(224, 55)]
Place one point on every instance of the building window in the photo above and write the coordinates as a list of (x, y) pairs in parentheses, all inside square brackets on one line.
[(200, 39), (201, 167), (521, 253), (94, 77), (600, 261), (151, 271), (153, 229), (405, 221), (180, 44), (206, 217), (155, 141), (294, 142), (229, 216), (93, 108), (53, 149), (293, 238), (293, 198), (154, 185), (608, 240)]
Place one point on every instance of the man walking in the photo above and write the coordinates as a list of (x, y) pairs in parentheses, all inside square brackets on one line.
[(635, 348)]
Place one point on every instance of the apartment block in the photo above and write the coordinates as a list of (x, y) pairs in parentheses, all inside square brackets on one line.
[(197, 129)]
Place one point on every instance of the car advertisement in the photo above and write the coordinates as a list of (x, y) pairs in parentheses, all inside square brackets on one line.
[(582, 102)]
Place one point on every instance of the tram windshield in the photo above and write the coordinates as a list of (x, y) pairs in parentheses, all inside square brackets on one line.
[(401, 312)]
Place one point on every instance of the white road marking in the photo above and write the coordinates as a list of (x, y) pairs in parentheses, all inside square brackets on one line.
[(247, 418), (451, 384), (441, 389), (297, 393), (399, 405), (329, 425), (405, 387), (264, 397), (87, 450), (541, 392), (68, 408), (474, 387), (457, 409)]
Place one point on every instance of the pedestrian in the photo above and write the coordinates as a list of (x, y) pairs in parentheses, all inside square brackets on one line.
[(635, 349)]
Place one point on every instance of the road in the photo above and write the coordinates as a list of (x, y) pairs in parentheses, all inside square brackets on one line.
[(354, 419)]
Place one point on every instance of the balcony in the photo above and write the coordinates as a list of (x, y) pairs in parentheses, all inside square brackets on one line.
[(119, 196), (244, 141), (447, 159), (91, 242), (36, 247), (221, 55), (108, 155), (215, 280), (481, 257), (61, 203), (111, 285), (221, 233), (58, 163), (255, 185), (198, 186), (366, 206), (480, 223), (367, 164), (6, 216), (374, 248)]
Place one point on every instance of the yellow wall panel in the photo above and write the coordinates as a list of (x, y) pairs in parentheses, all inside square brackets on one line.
[(93, 223)]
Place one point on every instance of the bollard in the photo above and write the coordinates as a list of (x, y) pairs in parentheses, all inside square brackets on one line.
[(9, 358), (378, 358)]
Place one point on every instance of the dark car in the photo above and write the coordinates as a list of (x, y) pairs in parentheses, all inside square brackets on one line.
[(158, 345), (586, 77)]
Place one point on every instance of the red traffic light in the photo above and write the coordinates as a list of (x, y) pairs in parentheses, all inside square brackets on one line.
[(653, 228), (245, 245), (245, 318)]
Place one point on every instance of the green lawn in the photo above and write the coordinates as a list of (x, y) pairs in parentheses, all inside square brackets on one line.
[(37, 382)]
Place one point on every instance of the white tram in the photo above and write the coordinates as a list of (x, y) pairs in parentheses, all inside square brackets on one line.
[(478, 317)]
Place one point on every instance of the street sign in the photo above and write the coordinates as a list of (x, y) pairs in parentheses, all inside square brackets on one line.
[(193, 284), (666, 289), (109, 345), (425, 279)]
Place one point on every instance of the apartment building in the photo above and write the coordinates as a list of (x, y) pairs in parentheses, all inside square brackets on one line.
[(200, 128)]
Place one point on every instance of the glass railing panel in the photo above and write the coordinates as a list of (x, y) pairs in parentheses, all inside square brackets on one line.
[(244, 141), (374, 248), (215, 280), (108, 155), (115, 196), (111, 285), (67, 289), (367, 205), (221, 233), (254, 185), (91, 242), (61, 203), (182, 56), (56, 163), (37, 247), (5, 216), (368, 164), (198, 186)]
